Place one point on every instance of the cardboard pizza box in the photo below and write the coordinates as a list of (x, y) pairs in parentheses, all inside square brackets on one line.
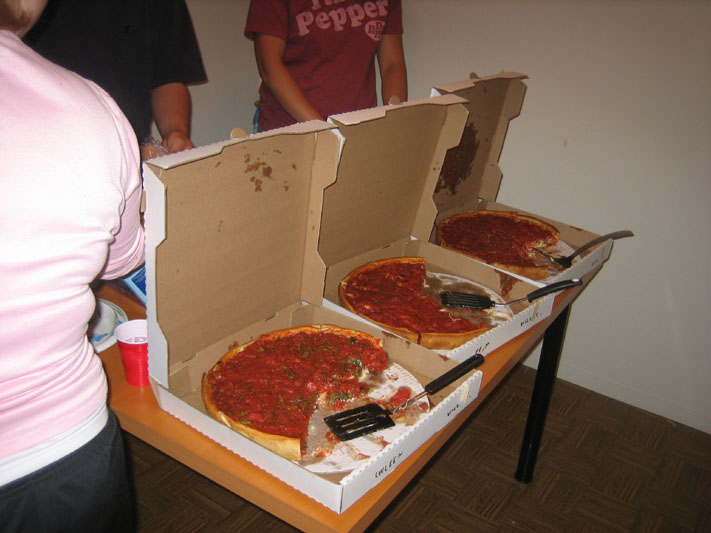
[(231, 252), (473, 183), (381, 206)]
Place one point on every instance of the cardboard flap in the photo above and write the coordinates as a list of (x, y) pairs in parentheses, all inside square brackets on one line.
[(471, 170), (388, 170), (241, 227)]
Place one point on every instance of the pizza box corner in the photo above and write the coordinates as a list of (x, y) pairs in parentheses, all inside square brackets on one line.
[(386, 180), (492, 102), (232, 233)]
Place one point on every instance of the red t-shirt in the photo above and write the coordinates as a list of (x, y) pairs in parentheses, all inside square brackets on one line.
[(330, 50)]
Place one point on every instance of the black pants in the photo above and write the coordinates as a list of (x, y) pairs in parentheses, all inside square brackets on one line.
[(87, 490)]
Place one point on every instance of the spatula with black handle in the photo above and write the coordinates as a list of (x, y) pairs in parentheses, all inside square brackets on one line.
[(567, 262), (477, 301), (369, 418)]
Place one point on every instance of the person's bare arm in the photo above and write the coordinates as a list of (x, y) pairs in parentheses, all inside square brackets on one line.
[(172, 108), (393, 73), (269, 51)]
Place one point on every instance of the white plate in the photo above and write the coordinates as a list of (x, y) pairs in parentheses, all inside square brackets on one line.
[(102, 325)]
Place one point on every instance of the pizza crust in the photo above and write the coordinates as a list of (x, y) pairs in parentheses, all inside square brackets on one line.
[(536, 272)]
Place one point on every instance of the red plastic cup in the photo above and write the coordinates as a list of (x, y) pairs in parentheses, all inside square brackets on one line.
[(132, 340)]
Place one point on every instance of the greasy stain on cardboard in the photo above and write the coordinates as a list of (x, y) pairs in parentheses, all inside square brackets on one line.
[(458, 162), (259, 171)]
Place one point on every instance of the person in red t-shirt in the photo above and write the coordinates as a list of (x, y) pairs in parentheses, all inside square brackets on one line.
[(316, 57)]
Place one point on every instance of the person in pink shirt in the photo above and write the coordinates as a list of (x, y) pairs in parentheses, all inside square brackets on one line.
[(317, 57), (70, 189)]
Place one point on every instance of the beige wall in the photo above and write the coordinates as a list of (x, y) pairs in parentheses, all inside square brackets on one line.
[(615, 133)]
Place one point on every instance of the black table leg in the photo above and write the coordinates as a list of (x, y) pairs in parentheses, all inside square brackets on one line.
[(540, 399)]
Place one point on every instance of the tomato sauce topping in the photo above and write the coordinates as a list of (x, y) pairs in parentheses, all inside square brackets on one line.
[(273, 384), (393, 293), (494, 239), (401, 396)]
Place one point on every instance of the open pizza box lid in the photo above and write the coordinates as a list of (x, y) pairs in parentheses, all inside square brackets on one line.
[(231, 232), (381, 204), (471, 176), (231, 252)]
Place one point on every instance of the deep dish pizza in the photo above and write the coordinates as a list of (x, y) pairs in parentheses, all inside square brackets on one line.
[(502, 239), (391, 293), (267, 389)]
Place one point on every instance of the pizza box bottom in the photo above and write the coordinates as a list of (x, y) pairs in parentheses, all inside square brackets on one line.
[(335, 491), (441, 260), (570, 237)]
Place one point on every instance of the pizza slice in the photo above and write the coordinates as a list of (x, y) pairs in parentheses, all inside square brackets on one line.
[(267, 389), (503, 239)]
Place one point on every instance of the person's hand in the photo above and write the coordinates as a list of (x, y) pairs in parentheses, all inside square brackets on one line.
[(177, 141), (171, 107)]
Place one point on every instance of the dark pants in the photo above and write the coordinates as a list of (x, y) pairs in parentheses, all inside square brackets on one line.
[(87, 490)]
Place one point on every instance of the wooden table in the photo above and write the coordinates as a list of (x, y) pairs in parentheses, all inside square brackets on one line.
[(139, 414)]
